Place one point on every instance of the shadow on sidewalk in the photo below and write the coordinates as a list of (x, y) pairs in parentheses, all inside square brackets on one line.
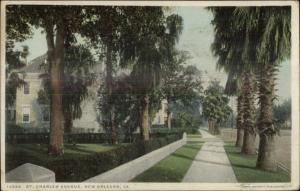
[(212, 162)]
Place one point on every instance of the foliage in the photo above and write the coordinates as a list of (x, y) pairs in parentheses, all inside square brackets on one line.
[(78, 75), (145, 46), (215, 103), (181, 83), (75, 167), (282, 112), (60, 23), (270, 36), (14, 61), (187, 115)]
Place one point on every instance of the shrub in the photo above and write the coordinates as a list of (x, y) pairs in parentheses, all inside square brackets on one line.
[(74, 168)]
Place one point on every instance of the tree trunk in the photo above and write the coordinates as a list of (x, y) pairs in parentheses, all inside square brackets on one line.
[(109, 85), (248, 114), (266, 154), (266, 158), (114, 135), (168, 115), (55, 57), (68, 123), (248, 146), (169, 120), (239, 122), (239, 137), (216, 130), (210, 128), (145, 118), (213, 127)]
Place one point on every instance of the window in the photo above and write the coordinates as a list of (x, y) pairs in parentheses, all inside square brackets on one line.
[(26, 88), (46, 113), (26, 114), (25, 118)]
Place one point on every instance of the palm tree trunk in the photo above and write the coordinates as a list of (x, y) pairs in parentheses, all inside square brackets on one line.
[(168, 114), (248, 117), (145, 117), (55, 57), (169, 120), (210, 126), (266, 154), (239, 122), (109, 85), (68, 123)]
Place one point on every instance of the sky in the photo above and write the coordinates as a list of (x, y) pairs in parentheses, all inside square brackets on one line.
[(196, 38)]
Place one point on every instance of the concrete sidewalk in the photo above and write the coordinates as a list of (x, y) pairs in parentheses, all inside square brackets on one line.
[(211, 163)]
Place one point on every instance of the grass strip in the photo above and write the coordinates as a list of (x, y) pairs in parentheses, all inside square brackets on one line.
[(194, 136), (172, 168), (69, 149), (245, 170)]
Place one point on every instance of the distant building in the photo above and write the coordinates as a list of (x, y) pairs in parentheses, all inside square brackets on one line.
[(161, 116)]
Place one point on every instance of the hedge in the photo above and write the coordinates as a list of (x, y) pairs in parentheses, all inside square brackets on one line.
[(43, 138), (81, 167)]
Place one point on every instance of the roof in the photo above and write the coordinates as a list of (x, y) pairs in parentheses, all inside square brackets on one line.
[(35, 65)]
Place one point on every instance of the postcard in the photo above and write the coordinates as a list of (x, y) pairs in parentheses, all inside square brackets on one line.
[(149, 95)]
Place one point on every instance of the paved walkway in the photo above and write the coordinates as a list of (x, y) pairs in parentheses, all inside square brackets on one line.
[(211, 163)]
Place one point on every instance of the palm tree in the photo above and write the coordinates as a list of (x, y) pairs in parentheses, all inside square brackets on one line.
[(103, 29), (233, 88), (148, 48), (273, 49), (228, 46), (269, 32)]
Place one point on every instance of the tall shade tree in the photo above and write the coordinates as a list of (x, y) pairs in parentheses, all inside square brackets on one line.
[(59, 23), (183, 84), (139, 38), (105, 29), (229, 46), (215, 106), (148, 47)]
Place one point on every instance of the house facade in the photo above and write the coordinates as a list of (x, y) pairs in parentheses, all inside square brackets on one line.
[(161, 116), (29, 113)]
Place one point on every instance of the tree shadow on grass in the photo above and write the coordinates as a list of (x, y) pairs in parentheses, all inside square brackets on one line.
[(79, 148), (191, 147)]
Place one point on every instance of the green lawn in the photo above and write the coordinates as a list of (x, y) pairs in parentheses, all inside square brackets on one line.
[(39, 151), (193, 136), (68, 148), (245, 170), (172, 168)]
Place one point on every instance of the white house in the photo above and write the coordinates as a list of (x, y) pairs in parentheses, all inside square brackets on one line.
[(30, 114)]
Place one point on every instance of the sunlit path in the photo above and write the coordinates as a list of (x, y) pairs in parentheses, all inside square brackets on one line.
[(211, 163)]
